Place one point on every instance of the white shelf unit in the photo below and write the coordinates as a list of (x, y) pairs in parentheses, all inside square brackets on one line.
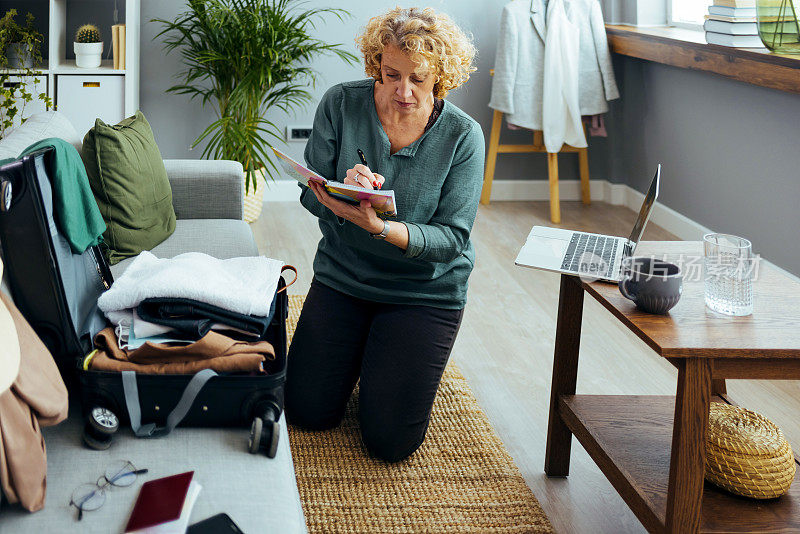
[(90, 93)]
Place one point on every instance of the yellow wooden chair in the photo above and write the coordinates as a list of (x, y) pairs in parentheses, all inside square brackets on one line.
[(496, 148)]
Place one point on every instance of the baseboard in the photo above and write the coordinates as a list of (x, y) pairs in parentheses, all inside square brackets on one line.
[(281, 191)]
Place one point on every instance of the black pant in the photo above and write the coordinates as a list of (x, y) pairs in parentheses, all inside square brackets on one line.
[(398, 351)]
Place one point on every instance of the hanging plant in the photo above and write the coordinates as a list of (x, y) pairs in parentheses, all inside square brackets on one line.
[(20, 61)]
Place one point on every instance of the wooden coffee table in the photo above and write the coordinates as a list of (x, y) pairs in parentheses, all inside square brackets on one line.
[(652, 448)]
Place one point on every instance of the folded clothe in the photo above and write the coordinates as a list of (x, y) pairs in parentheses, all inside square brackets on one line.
[(244, 285), (128, 340), (129, 320), (213, 351), (143, 329), (196, 319)]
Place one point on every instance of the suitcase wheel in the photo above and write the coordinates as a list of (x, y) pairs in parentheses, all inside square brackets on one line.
[(264, 435), (6, 194), (101, 425)]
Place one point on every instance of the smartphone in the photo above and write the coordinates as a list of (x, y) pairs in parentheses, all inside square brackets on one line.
[(217, 524)]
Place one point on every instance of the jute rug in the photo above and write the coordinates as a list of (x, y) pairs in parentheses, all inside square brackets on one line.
[(461, 480)]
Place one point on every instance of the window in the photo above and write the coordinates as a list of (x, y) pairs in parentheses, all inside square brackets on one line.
[(687, 13)]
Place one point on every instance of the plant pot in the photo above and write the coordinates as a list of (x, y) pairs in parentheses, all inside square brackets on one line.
[(18, 57), (254, 200), (88, 55)]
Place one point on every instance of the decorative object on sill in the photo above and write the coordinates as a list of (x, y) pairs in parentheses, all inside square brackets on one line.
[(747, 454), (254, 199), (461, 479), (20, 57), (88, 47), (732, 23), (778, 25), (275, 73)]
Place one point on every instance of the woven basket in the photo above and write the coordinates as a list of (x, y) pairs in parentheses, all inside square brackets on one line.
[(254, 200), (747, 454)]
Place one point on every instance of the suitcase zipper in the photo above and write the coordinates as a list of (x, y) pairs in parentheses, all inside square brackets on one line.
[(99, 271)]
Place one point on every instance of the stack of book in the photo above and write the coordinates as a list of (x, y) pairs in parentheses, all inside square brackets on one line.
[(733, 23)]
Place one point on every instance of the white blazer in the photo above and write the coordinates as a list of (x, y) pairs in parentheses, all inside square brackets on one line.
[(561, 113), (520, 69)]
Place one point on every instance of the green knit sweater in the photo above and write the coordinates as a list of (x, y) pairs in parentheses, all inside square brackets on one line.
[(437, 183)]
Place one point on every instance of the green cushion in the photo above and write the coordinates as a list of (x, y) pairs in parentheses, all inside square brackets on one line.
[(130, 184)]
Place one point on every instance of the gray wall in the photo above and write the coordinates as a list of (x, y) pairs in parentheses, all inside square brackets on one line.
[(635, 12), (177, 122), (729, 151)]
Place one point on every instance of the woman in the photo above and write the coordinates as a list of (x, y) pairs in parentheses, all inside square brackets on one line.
[(388, 296)]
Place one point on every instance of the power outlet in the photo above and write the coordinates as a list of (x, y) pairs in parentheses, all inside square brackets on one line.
[(298, 133)]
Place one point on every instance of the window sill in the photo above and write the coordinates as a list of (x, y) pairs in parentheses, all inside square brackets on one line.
[(688, 49)]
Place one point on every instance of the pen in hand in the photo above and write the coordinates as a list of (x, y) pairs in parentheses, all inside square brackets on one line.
[(363, 159)]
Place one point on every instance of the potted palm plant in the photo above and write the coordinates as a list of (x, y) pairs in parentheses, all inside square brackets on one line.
[(244, 57)]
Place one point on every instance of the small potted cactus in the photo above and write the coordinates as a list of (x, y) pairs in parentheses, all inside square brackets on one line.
[(88, 47)]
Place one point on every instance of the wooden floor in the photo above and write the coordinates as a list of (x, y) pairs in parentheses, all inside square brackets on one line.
[(505, 349)]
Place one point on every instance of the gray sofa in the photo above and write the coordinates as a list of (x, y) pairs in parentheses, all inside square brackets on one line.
[(258, 493)]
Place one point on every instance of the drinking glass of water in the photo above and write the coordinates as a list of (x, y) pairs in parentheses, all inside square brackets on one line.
[(728, 268)]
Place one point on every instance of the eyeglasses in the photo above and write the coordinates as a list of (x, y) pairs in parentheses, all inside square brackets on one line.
[(90, 497)]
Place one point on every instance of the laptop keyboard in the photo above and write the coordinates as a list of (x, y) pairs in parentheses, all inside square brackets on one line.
[(590, 254)]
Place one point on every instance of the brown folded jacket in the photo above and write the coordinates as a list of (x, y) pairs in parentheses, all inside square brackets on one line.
[(37, 398), (213, 351)]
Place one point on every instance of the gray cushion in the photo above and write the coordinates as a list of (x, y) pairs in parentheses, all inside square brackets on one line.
[(206, 189), (260, 494), (221, 238), (37, 127)]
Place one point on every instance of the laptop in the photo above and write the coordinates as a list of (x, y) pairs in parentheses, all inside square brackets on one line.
[(580, 253)]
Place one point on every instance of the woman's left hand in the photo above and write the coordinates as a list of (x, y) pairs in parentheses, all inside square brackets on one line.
[(362, 215)]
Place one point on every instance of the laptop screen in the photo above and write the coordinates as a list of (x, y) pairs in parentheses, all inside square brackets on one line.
[(647, 207)]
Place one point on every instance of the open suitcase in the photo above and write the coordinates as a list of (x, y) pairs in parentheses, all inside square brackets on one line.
[(57, 293)]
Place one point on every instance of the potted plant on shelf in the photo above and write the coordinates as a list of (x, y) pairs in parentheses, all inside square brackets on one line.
[(88, 47), (244, 57), (20, 57), (19, 42)]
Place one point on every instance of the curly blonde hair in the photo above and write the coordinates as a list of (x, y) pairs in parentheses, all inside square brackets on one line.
[(431, 39)]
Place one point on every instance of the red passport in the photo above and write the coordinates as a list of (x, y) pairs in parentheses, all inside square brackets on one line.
[(159, 501)]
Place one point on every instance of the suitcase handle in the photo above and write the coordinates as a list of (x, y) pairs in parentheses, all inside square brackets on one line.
[(150, 430), (289, 268)]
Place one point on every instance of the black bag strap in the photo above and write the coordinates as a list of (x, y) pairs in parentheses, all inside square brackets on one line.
[(150, 430)]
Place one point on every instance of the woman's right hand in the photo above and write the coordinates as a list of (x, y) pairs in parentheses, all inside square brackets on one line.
[(361, 176)]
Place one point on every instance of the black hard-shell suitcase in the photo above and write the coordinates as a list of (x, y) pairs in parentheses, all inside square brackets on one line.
[(57, 293)]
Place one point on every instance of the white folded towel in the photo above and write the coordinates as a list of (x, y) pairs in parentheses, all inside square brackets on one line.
[(243, 285)]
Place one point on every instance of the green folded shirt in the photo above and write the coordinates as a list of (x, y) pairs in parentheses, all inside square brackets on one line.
[(74, 208)]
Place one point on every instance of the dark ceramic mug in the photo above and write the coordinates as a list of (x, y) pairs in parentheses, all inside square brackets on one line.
[(654, 285)]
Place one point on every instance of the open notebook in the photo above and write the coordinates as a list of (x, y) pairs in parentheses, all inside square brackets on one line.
[(382, 201)]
